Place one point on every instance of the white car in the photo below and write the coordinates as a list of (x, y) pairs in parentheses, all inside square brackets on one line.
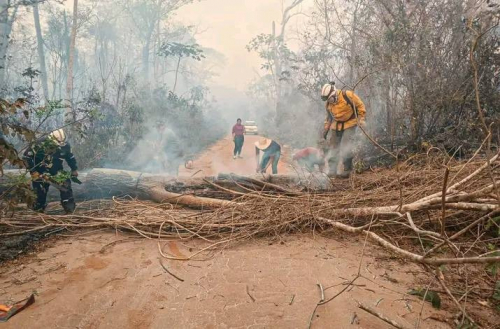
[(251, 128)]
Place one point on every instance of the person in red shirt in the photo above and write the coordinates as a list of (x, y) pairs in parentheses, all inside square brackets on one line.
[(310, 157), (238, 138)]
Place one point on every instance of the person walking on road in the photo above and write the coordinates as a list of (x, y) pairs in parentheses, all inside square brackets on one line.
[(345, 111), (271, 155), (238, 138)]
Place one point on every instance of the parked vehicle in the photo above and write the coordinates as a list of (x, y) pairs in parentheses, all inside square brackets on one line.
[(251, 128)]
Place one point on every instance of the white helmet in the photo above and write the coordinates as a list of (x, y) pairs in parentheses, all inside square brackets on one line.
[(328, 90), (58, 136)]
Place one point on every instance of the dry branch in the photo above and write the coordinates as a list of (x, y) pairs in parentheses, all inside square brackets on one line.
[(407, 254), (241, 208), (380, 316), (166, 270)]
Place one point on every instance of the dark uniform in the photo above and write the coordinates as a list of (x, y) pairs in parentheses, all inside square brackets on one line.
[(47, 158)]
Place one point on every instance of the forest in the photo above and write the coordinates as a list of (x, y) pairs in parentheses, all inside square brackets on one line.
[(146, 96), (427, 71)]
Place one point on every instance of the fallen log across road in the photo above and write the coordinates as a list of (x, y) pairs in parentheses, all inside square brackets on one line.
[(108, 183), (102, 183), (261, 205)]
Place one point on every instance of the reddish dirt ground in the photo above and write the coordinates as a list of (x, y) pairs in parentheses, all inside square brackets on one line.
[(259, 284), (219, 158)]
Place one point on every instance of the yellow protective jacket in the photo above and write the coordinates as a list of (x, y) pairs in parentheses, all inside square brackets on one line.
[(342, 112)]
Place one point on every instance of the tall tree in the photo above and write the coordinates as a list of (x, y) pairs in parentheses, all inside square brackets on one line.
[(147, 16), (279, 45), (70, 113), (273, 49), (41, 51), (57, 40), (8, 13), (175, 49)]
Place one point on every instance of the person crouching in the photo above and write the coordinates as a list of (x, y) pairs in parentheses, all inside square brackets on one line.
[(271, 155), (310, 157)]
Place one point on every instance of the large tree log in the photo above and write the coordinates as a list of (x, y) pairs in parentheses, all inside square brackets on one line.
[(199, 192), (11, 177), (108, 183), (104, 183)]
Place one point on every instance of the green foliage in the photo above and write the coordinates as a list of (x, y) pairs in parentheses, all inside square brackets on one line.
[(271, 49), (263, 45), (17, 189), (496, 293), (15, 132), (429, 295), (11, 126), (494, 223), (61, 177), (31, 73), (492, 269), (52, 108), (179, 50), (110, 136)]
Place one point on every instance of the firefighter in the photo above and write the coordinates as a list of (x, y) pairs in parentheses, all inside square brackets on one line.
[(45, 160), (345, 111)]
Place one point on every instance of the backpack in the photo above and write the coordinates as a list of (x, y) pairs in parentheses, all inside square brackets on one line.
[(353, 115)]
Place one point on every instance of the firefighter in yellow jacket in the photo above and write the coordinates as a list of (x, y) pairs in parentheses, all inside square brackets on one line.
[(344, 112)]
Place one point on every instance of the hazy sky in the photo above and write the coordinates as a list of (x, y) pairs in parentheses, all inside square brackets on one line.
[(228, 26)]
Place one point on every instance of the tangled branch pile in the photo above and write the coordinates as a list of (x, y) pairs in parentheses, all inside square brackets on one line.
[(402, 210), (422, 211)]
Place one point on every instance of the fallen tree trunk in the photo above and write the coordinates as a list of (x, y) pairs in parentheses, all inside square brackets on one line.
[(12, 177), (105, 183), (100, 183), (108, 183)]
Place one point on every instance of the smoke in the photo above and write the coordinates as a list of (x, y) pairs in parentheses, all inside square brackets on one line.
[(158, 151)]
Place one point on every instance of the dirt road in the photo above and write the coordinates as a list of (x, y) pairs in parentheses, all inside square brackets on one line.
[(219, 158), (86, 282)]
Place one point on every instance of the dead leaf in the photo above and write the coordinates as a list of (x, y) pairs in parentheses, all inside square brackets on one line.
[(483, 303)]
